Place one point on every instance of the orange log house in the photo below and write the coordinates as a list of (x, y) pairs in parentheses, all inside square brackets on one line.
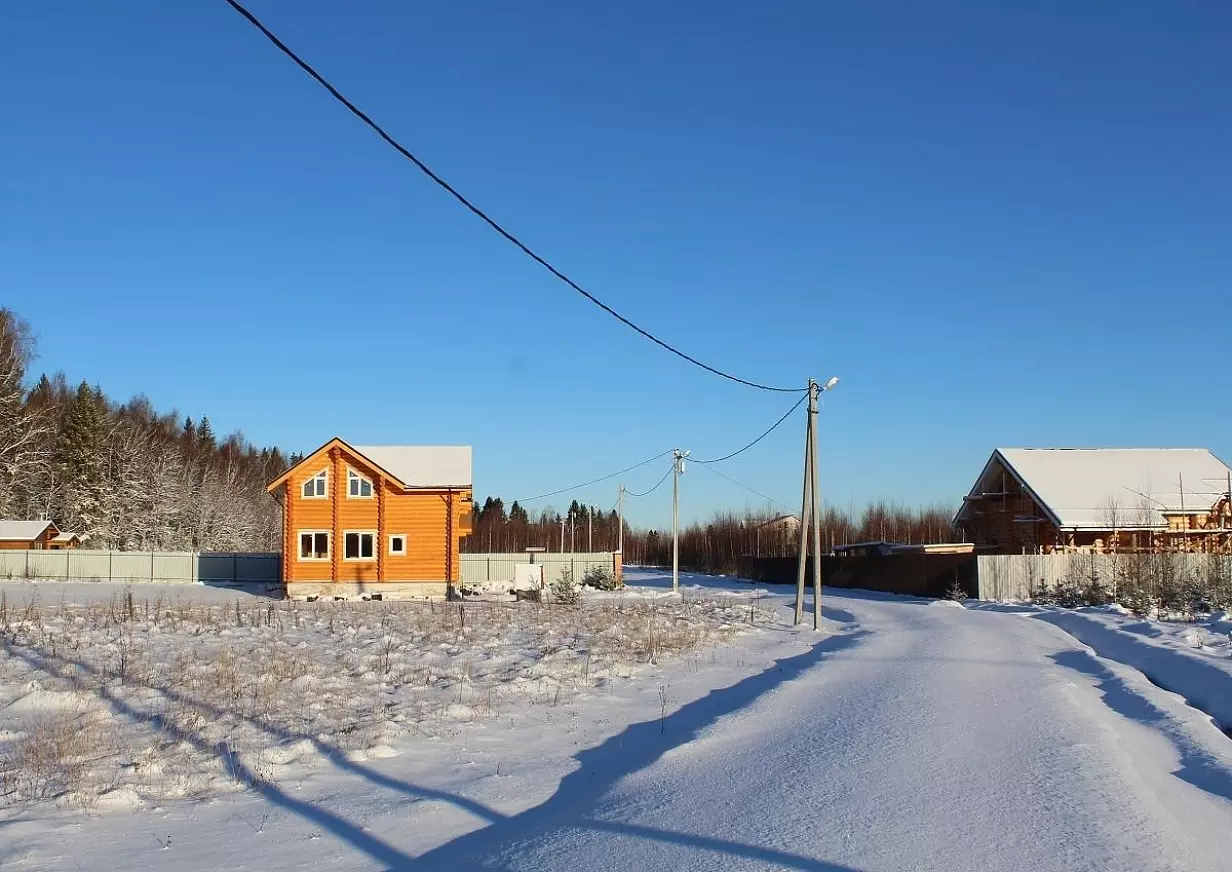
[(35, 536), (374, 519)]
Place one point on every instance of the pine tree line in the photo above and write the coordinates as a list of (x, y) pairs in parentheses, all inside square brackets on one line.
[(123, 475), (497, 531)]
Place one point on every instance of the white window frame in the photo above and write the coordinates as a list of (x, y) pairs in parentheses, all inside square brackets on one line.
[(323, 475), (361, 534), (353, 475), (299, 544), (392, 537)]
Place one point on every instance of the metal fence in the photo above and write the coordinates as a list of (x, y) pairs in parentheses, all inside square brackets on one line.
[(1016, 576), (136, 567), (496, 570)]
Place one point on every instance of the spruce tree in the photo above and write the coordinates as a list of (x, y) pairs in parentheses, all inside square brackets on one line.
[(82, 458), (205, 436)]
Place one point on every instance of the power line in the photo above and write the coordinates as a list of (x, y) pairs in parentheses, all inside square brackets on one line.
[(747, 488), (564, 490), (773, 427), (630, 493), (423, 167)]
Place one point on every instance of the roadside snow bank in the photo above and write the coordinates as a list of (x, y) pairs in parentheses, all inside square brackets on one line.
[(1193, 660)]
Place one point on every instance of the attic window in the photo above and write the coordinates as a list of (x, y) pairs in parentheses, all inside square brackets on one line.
[(316, 487), (358, 486)]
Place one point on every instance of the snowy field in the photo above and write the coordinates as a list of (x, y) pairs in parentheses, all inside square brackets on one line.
[(192, 728)]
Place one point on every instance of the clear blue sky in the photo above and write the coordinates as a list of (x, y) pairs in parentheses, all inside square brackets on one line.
[(998, 226)]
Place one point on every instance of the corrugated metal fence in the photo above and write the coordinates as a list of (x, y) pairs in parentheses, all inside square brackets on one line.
[(497, 569), (1015, 576), (167, 567)]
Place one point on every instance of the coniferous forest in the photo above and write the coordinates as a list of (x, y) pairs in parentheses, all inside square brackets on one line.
[(125, 475)]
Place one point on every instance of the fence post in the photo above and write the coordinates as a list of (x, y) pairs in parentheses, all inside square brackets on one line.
[(235, 568), (110, 571), (67, 552)]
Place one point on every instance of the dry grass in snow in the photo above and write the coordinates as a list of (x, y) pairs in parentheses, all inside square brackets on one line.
[(134, 700)]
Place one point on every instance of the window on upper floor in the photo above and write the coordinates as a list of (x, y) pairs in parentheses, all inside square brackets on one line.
[(358, 486), (317, 487)]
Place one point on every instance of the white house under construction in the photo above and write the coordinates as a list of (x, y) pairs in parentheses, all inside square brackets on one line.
[(1100, 499)]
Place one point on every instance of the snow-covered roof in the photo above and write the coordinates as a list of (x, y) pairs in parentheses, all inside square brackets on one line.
[(22, 531), (65, 537), (423, 465), (1092, 487)]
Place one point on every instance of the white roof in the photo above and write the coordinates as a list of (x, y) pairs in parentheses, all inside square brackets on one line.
[(23, 531), (423, 465), (1079, 486)]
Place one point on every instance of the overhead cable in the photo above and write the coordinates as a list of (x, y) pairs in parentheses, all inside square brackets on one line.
[(630, 493), (773, 427), (565, 490), (426, 170), (747, 488)]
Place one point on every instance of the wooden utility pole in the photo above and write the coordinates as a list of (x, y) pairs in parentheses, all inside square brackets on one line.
[(590, 530)]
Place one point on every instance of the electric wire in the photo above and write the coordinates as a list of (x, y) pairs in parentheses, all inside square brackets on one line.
[(426, 170), (630, 493), (747, 488), (565, 490), (773, 427)]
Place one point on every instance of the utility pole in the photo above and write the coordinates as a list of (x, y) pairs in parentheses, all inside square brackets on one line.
[(620, 512), (590, 530), (562, 535), (572, 531), (677, 471), (810, 509)]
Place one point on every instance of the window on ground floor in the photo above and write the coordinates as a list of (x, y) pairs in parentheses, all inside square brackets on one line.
[(397, 544), (358, 546), (313, 545)]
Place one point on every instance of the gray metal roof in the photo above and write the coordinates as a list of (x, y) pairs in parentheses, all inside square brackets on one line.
[(22, 531), (1093, 487), (423, 465)]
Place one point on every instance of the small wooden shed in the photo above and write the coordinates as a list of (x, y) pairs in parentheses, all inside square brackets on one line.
[(360, 520)]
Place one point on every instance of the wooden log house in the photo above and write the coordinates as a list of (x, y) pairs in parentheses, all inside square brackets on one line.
[(374, 520), (1103, 500)]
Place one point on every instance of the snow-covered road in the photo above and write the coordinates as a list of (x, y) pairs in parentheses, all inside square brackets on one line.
[(926, 737)]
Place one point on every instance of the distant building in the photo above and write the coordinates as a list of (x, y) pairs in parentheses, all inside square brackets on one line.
[(776, 536), (1099, 499), (35, 536), (885, 549)]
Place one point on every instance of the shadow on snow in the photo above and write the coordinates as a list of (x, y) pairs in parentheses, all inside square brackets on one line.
[(638, 746)]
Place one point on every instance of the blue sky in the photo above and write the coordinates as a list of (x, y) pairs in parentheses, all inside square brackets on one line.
[(998, 226)]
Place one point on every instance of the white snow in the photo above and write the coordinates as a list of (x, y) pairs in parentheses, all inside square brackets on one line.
[(901, 736)]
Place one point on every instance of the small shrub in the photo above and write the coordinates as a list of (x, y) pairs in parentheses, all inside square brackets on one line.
[(565, 590), (600, 578), (956, 591)]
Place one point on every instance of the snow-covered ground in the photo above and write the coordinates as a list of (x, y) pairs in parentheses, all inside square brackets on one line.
[(908, 734)]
